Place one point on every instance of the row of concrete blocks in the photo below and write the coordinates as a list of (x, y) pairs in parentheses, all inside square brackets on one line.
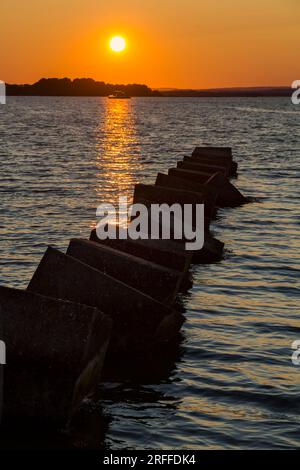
[(106, 297)]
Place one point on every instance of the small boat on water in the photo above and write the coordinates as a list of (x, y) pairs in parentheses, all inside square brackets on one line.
[(119, 95)]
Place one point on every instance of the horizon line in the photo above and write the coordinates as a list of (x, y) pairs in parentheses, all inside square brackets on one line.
[(156, 88)]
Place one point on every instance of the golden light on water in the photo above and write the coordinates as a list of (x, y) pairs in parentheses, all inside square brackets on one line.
[(117, 150), (117, 44)]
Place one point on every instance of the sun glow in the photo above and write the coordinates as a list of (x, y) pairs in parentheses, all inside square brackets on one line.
[(117, 44)]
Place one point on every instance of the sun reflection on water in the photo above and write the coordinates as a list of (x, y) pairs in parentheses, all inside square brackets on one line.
[(118, 151)]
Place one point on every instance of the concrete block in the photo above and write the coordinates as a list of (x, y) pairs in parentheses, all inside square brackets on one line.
[(55, 354), (153, 194), (208, 195), (136, 316), (161, 252), (230, 165), (197, 165), (209, 151), (159, 282), (227, 194)]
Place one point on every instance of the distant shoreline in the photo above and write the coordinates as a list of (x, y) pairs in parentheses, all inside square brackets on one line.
[(85, 87), (154, 96), (224, 93)]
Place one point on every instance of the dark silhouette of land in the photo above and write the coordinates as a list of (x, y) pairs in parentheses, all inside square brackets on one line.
[(90, 87), (229, 92), (77, 87)]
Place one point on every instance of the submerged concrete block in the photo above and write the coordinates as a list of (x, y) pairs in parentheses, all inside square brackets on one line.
[(153, 194), (157, 281), (198, 166), (136, 316), (160, 195), (209, 196), (227, 194), (234, 168), (208, 253), (211, 251), (216, 154), (173, 228), (55, 354), (213, 160), (230, 165), (201, 178), (159, 251), (209, 151)]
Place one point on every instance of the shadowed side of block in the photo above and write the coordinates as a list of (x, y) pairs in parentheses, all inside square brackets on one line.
[(55, 354), (136, 316), (155, 280), (209, 197), (216, 155), (230, 166), (212, 249), (227, 194), (198, 166), (209, 151), (201, 178), (168, 195), (162, 252)]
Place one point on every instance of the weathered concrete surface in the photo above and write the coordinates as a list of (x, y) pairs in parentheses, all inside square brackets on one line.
[(213, 151), (217, 154), (161, 252), (227, 194), (209, 196), (234, 168), (210, 251), (149, 204), (162, 194), (55, 354), (201, 177), (157, 281), (199, 166), (212, 159), (230, 165), (203, 160), (148, 194), (136, 316)]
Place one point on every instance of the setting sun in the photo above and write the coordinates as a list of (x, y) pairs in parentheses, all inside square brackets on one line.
[(117, 44)]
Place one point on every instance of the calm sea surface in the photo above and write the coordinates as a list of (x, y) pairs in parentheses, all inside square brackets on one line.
[(232, 384)]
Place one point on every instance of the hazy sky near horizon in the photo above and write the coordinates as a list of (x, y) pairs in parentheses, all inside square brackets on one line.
[(170, 43)]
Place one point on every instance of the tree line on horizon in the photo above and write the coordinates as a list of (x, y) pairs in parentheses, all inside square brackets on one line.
[(91, 87), (78, 87)]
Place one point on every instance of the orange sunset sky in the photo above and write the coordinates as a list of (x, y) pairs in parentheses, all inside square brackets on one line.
[(170, 43)]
